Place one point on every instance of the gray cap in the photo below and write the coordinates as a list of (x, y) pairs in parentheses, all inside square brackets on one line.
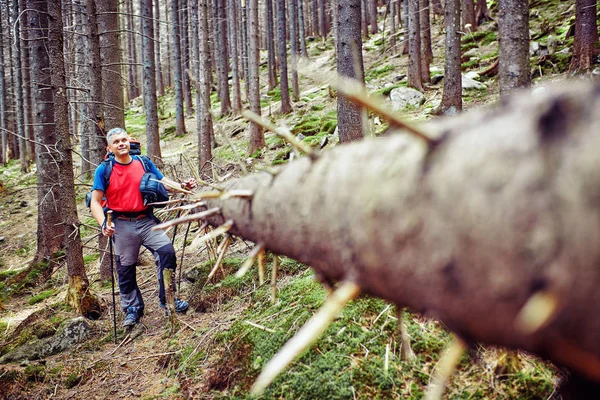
[(114, 131)]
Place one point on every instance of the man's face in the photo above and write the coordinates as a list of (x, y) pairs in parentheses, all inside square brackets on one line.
[(119, 144)]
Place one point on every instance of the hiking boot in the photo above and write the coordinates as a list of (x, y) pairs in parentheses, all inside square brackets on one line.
[(131, 317), (180, 306)]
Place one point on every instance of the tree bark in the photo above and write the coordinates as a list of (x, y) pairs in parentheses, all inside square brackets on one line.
[(133, 89), (286, 105), (468, 23), (586, 36), (513, 45), (257, 138), (482, 13), (405, 222), (26, 73), (414, 45), (270, 36), (185, 57), (222, 55), (177, 72), (349, 64), (110, 60), (372, 14), (3, 127), (301, 30), (49, 232), (19, 88), (160, 83), (149, 82), (426, 52), (78, 296), (452, 95), (294, 49), (236, 97), (203, 115)]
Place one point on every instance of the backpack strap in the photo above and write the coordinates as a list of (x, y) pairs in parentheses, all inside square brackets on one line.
[(145, 160), (108, 166)]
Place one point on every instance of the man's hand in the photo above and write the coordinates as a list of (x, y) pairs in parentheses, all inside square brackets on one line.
[(189, 184), (108, 230)]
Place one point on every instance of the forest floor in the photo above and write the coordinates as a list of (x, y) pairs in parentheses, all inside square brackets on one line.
[(232, 328)]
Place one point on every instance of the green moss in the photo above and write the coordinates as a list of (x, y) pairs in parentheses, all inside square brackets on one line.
[(227, 153), (72, 380), (312, 124), (90, 258), (468, 46), (474, 63), (386, 90), (317, 107), (35, 372), (135, 122), (41, 296), (379, 72)]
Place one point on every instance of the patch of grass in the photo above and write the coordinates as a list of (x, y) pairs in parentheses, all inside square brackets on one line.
[(90, 258), (35, 372), (386, 90), (473, 63), (379, 72), (226, 153), (135, 122), (468, 46), (274, 142), (41, 297), (72, 380), (312, 124)]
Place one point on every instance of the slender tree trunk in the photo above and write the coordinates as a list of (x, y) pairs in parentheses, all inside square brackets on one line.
[(513, 47), (110, 59), (405, 26), (301, 30), (364, 17), (286, 105), (133, 88), (392, 8), (349, 57), (452, 96), (78, 295), (293, 10), (372, 13), (414, 46), (468, 23), (257, 138), (49, 232), (243, 39), (586, 36), (222, 56), (19, 88), (315, 17), (160, 83), (26, 72), (82, 77), (95, 106), (426, 52), (204, 116), (322, 18), (149, 82), (270, 36), (482, 13), (438, 10), (185, 58), (169, 82), (236, 93), (3, 127), (177, 73)]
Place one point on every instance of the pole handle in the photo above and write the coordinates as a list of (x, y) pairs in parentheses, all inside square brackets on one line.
[(109, 218)]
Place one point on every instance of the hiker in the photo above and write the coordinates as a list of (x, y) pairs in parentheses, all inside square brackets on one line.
[(132, 222)]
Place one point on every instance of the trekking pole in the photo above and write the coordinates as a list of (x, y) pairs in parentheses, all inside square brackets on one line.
[(112, 275)]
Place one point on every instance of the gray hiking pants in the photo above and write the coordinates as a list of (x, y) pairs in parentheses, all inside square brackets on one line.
[(129, 236)]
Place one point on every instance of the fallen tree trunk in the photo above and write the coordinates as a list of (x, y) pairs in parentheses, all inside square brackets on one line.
[(506, 206)]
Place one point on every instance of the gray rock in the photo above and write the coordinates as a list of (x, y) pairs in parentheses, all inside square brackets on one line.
[(534, 47), (596, 71), (470, 84), (72, 332), (300, 136), (551, 44), (471, 53), (404, 97), (473, 75)]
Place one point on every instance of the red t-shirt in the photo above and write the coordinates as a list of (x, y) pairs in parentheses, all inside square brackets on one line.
[(123, 193)]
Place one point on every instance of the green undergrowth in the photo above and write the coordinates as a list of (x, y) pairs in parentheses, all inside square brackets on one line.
[(349, 360), (312, 124)]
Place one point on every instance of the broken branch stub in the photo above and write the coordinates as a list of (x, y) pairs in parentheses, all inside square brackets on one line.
[(506, 205)]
